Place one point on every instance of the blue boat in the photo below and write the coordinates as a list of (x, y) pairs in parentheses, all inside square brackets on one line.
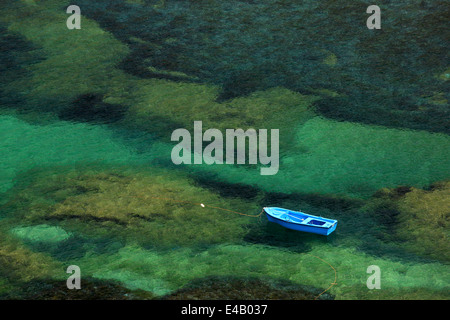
[(300, 221)]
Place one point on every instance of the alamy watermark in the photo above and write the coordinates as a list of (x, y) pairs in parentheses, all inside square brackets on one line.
[(235, 153), (374, 281), (74, 21), (74, 280), (374, 21)]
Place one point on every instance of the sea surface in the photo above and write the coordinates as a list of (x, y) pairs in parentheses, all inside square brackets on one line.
[(86, 171)]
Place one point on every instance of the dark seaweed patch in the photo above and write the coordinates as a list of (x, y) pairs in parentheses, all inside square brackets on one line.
[(91, 108), (233, 190), (92, 289), (242, 288), (272, 234), (16, 55), (329, 202), (86, 218), (381, 77)]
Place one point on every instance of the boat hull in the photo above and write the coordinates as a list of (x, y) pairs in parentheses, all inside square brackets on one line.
[(302, 227)]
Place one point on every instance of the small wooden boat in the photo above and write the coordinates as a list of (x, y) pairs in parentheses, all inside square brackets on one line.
[(300, 221)]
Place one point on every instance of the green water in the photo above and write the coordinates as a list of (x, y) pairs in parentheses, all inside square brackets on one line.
[(86, 176), (27, 146)]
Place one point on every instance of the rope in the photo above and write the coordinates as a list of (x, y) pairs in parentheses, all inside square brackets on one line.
[(335, 275), (207, 205), (242, 214)]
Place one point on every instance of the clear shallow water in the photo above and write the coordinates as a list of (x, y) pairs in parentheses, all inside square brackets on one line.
[(93, 185), (28, 146)]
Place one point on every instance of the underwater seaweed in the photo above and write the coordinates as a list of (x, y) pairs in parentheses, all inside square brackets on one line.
[(417, 219), (135, 67), (235, 288), (93, 289), (381, 78), (140, 206), (19, 264)]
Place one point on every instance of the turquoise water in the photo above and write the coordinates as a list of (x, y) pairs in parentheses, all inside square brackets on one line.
[(28, 146), (86, 176)]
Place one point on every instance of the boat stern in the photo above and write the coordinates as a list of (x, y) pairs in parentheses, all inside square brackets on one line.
[(332, 228)]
